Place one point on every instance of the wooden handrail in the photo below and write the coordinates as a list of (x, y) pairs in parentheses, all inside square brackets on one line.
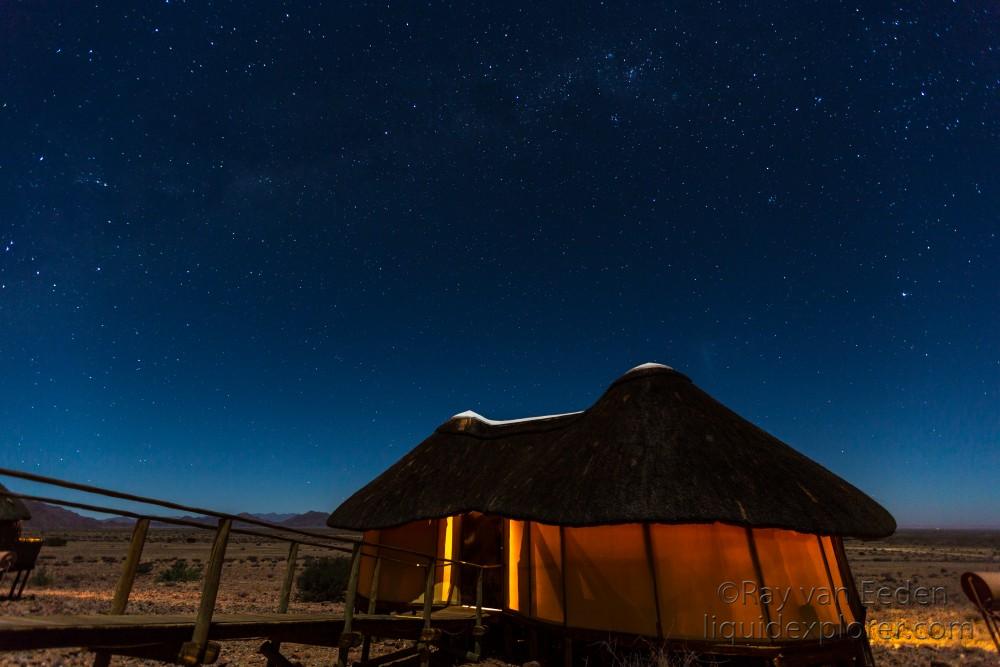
[(348, 539), (86, 488), (177, 521)]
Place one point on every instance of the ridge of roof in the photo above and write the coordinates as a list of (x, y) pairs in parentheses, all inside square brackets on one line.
[(644, 368), (470, 414)]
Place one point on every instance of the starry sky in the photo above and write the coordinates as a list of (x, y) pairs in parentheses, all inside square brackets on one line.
[(253, 252)]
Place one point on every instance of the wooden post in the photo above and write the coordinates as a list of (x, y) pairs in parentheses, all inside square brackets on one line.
[(126, 580), (647, 539), (193, 652), (373, 589), (346, 637), (854, 598), (532, 629), (562, 574), (286, 586), (424, 646), (529, 549), (479, 596), (366, 647), (477, 631), (533, 642), (429, 592), (272, 649), (124, 588), (833, 587), (755, 558), (13, 587)]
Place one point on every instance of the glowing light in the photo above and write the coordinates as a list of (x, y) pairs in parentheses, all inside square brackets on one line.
[(449, 553)]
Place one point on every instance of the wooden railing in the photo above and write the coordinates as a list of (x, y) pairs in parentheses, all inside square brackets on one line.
[(200, 650)]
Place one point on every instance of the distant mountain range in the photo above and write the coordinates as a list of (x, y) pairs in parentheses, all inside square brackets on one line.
[(48, 518)]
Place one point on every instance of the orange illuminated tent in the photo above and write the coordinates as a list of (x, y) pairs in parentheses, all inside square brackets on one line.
[(657, 513)]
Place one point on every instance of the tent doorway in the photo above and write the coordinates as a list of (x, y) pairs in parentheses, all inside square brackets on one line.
[(482, 543)]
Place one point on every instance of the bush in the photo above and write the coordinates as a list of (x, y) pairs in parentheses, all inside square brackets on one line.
[(324, 580), (41, 577), (179, 572), (54, 541)]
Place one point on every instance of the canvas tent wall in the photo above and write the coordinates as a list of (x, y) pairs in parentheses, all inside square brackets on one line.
[(686, 581), (628, 516)]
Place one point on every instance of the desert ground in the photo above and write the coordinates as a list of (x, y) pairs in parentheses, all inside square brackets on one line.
[(927, 563), (80, 577)]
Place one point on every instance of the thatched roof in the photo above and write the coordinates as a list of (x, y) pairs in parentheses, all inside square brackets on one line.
[(653, 448), (12, 509)]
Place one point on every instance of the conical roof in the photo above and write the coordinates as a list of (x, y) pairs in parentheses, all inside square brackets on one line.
[(653, 448), (12, 509)]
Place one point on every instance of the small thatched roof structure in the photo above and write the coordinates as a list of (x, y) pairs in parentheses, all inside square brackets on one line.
[(12, 509), (653, 448)]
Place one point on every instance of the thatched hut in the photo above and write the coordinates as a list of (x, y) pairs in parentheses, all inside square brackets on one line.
[(657, 512), (12, 513)]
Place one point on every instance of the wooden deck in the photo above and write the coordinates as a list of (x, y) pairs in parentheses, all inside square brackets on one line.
[(116, 632), (194, 640)]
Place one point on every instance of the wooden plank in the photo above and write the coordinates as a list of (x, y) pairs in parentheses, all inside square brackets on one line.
[(407, 652), (101, 631), (17, 623)]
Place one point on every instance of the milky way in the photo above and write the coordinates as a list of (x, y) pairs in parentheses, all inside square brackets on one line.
[(251, 253)]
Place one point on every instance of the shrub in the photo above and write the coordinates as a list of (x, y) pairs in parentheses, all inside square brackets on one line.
[(41, 577), (54, 541), (179, 572), (324, 580)]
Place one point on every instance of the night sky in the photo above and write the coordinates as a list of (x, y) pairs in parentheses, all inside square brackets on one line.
[(251, 253)]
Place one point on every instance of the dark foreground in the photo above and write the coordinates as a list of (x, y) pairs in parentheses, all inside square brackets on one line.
[(917, 612)]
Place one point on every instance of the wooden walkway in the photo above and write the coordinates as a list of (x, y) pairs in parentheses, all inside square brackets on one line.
[(100, 631), (193, 640)]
